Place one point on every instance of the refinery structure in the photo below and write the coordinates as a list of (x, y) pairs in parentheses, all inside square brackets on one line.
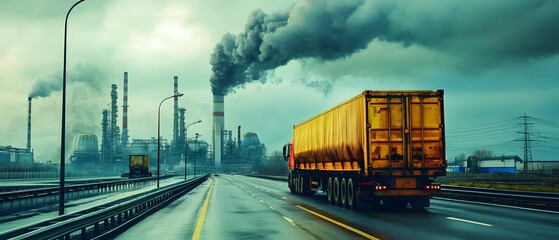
[(108, 154)]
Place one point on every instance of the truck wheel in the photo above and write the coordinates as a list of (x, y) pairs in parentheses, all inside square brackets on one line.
[(298, 184), (329, 189), (336, 191), (343, 193), (290, 183), (301, 185), (351, 201)]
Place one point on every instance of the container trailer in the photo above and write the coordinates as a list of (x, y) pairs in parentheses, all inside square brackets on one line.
[(384, 147), (139, 166)]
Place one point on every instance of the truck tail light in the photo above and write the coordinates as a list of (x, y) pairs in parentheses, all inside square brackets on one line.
[(381, 187), (432, 187)]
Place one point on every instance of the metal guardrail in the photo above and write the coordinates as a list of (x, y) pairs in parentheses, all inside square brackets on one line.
[(105, 221), (539, 200), (24, 199)]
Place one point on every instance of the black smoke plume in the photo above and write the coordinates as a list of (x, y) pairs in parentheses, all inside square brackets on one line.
[(485, 32), (81, 73), (85, 85)]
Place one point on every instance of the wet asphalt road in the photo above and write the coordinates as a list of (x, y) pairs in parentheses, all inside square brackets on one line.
[(241, 207)]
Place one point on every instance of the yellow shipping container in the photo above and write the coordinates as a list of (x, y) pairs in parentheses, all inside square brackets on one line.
[(376, 133)]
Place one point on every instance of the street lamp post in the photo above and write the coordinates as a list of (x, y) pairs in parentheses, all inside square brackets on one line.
[(186, 145), (196, 152), (63, 134), (159, 135)]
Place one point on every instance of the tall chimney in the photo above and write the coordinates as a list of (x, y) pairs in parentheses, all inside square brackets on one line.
[(29, 126), (176, 113), (239, 138), (114, 131), (124, 140), (218, 127), (182, 138)]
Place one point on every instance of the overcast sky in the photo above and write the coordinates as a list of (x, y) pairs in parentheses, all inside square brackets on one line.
[(496, 61)]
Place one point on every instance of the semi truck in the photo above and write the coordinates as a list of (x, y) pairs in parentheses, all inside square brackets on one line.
[(379, 147), (139, 166)]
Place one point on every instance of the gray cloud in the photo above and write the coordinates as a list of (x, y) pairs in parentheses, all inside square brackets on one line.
[(483, 33)]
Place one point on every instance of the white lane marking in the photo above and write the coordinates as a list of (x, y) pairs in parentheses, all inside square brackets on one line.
[(272, 208), (498, 205), (468, 221), (261, 201), (284, 198), (289, 220)]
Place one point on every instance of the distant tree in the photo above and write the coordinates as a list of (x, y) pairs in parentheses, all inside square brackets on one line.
[(483, 153), (276, 156), (273, 165), (461, 158)]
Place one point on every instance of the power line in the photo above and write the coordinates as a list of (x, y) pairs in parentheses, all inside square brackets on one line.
[(535, 138)]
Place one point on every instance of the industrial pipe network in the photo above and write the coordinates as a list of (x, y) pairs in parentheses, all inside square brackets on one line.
[(159, 135), (186, 145)]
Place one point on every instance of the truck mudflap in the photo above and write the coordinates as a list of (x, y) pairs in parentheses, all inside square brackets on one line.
[(397, 193)]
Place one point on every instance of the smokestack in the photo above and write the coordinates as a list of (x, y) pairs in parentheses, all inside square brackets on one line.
[(239, 138), (125, 113), (182, 138), (218, 127), (105, 141), (114, 110), (29, 126), (176, 113)]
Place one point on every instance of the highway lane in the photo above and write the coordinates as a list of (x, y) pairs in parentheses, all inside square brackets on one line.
[(235, 210), (241, 207)]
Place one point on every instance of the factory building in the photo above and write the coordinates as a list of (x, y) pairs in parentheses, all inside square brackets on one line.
[(19, 158), (85, 157), (198, 152), (252, 151), (241, 154), (115, 145), (544, 167), (497, 164), (11, 157)]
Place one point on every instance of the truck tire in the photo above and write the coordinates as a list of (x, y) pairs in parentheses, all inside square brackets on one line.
[(343, 193), (351, 201), (336, 191), (290, 183), (329, 191), (301, 185)]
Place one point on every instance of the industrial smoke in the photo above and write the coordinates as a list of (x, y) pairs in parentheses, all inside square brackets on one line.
[(85, 83), (325, 30)]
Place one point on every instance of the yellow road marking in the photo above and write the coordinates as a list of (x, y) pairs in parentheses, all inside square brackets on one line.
[(357, 231), (202, 215)]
